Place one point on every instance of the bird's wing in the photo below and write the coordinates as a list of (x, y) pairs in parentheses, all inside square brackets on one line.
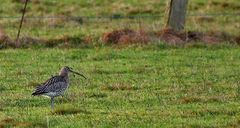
[(54, 82), (55, 87)]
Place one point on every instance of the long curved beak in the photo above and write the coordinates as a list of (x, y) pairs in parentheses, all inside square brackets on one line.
[(78, 74)]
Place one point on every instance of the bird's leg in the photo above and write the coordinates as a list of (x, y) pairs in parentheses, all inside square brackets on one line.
[(52, 103), (62, 99)]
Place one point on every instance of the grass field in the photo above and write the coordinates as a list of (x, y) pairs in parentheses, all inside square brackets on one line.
[(143, 86), (199, 17), (133, 85)]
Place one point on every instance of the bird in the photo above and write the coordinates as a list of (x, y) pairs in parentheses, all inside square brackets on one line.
[(56, 85)]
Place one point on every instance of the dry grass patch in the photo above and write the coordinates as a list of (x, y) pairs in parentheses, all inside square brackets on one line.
[(98, 95), (205, 99), (187, 100), (118, 86), (135, 11), (10, 122)]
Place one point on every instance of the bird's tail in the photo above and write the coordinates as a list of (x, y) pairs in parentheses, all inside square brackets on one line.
[(38, 91), (35, 94)]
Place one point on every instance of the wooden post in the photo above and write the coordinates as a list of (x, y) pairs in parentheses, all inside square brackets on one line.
[(20, 26), (177, 14)]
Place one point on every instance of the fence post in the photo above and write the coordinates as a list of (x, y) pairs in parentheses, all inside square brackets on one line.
[(17, 44), (177, 14)]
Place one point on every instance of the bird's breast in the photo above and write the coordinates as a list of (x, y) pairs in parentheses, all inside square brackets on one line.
[(51, 94)]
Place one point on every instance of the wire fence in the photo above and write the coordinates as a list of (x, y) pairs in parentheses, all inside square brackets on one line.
[(43, 20), (52, 26), (118, 16)]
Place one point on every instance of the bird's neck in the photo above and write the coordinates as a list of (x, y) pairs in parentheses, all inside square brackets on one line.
[(65, 76), (63, 73)]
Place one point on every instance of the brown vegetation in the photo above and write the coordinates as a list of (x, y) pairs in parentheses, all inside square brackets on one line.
[(170, 36), (119, 86), (5, 40), (125, 36), (3, 36), (7, 122), (205, 18), (128, 36)]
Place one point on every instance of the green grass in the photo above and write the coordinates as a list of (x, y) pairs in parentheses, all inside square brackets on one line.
[(155, 85), (55, 28), (131, 87)]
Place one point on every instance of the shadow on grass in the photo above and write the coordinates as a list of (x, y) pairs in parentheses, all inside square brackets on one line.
[(2, 88), (22, 103), (70, 111), (33, 84)]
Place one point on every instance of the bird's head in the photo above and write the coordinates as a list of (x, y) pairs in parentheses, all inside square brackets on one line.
[(65, 70)]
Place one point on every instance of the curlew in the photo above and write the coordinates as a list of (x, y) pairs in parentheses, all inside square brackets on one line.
[(56, 85)]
